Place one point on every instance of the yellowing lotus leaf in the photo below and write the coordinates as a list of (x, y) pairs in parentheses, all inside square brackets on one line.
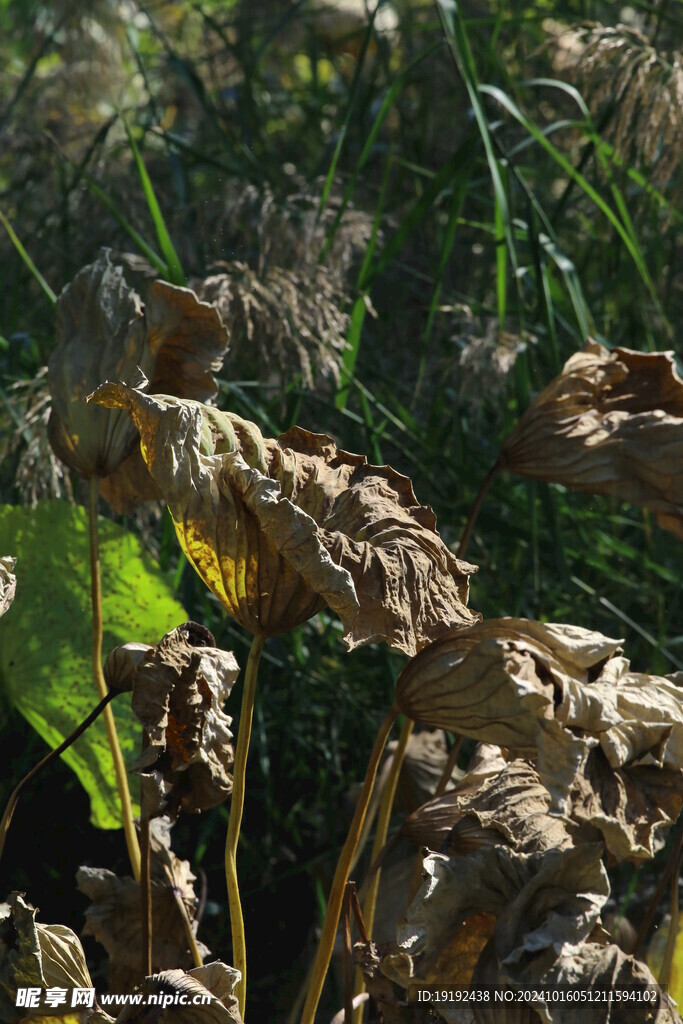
[(105, 328), (114, 916), (179, 689), (180, 997), (279, 528), (557, 693), (34, 955), (610, 423), (8, 582)]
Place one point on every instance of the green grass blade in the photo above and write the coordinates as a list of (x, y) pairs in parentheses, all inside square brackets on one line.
[(454, 29), (176, 275), (134, 235), (360, 305), (587, 188), (27, 259), (501, 265)]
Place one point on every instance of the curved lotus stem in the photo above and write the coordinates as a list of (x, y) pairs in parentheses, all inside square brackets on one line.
[(386, 807), (341, 875), (239, 949), (64, 745), (109, 722), (476, 505)]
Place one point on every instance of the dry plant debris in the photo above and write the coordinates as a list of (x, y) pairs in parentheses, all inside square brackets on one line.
[(114, 916)]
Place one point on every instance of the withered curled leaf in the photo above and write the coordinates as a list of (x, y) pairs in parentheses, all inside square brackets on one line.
[(494, 681), (555, 693), (8, 582), (279, 528), (507, 807), (610, 423), (596, 968), (114, 915), (529, 904), (177, 991), (179, 688), (105, 329), (39, 956)]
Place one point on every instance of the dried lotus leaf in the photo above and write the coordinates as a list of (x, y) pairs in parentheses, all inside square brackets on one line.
[(520, 685), (213, 982), (511, 808), (106, 329), (39, 956), (179, 688), (423, 765), (8, 582), (611, 423), (279, 528), (540, 903)]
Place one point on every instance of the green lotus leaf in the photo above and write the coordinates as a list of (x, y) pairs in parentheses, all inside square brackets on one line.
[(45, 644)]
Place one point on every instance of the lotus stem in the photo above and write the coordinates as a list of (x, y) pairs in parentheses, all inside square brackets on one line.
[(476, 506), (109, 722), (197, 958), (665, 973), (341, 875), (386, 807), (672, 862), (451, 762), (64, 745), (146, 897), (239, 948)]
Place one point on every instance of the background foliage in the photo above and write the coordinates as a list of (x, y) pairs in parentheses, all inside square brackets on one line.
[(460, 198)]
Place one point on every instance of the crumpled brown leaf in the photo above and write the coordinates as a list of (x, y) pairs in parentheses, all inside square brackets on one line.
[(179, 688), (507, 806), (557, 692), (34, 955), (114, 916), (105, 329), (494, 681), (610, 423), (529, 903), (8, 582), (279, 528), (591, 967), (216, 980), (630, 807)]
